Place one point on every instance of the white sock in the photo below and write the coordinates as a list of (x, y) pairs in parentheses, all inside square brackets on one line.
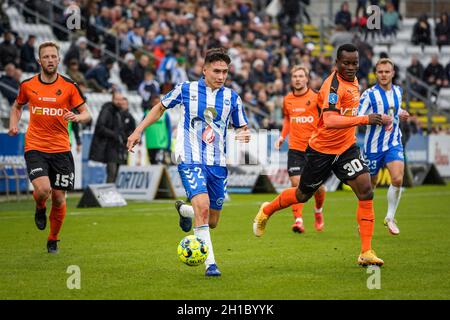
[(187, 211), (318, 210), (299, 220), (203, 233), (393, 197)]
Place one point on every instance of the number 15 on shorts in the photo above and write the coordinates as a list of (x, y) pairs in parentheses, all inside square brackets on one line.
[(63, 180)]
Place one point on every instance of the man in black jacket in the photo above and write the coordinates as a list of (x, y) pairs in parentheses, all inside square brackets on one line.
[(8, 50), (28, 61), (110, 137)]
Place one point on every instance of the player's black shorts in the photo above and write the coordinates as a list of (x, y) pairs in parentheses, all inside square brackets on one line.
[(319, 166), (59, 167), (296, 162)]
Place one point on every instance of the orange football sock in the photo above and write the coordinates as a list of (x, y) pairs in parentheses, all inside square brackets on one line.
[(285, 199), (56, 218), (319, 196), (366, 218), (39, 203), (297, 210)]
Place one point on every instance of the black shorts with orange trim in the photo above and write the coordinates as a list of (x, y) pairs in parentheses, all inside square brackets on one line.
[(59, 167), (346, 166)]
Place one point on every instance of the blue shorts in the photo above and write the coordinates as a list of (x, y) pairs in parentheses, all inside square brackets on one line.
[(198, 178), (376, 161)]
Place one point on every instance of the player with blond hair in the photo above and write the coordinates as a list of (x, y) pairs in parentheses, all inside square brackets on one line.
[(383, 145), (301, 116), (53, 100)]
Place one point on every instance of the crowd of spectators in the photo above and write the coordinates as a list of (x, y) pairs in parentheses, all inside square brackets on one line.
[(162, 43)]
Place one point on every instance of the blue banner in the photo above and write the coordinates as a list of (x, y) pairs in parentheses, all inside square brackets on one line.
[(11, 152)]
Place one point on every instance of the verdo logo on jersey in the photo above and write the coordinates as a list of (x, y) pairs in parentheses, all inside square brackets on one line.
[(47, 111), (303, 119)]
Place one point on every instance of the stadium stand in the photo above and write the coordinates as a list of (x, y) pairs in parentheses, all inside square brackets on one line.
[(163, 31)]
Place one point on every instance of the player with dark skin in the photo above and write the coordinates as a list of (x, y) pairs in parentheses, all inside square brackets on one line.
[(332, 148), (347, 66)]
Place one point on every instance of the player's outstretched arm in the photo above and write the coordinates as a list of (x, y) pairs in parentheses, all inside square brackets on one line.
[(243, 134), (14, 117), (334, 120), (155, 113)]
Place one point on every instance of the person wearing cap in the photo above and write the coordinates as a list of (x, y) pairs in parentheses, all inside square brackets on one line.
[(78, 50), (127, 72)]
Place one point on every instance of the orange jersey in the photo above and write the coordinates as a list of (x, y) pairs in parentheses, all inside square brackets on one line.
[(47, 103), (345, 101), (301, 117)]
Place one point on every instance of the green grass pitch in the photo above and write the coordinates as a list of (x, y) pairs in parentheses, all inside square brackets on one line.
[(130, 252)]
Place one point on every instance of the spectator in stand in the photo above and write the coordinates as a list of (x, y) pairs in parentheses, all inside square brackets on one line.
[(179, 74), (122, 34), (149, 90), (136, 36), (140, 68), (91, 13), (390, 21), (264, 107), (365, 64), (421, 32), (434, 73), (360, 21), (257, 74), (344, 17), (127, 74), (18, 43), (12, 85), (8, 51), (79, 51), (97, 77), (416, 69), (339, 37), (76, 75), (166, 68), (104, 20), (360, 6), (159, 50), (289, 9), (442, 30), (28, 61)]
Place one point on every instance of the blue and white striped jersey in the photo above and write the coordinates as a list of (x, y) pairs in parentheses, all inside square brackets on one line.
[(205, 114), (376, 100)]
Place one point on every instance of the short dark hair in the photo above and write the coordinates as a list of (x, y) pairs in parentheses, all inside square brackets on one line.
[(348, 47), (217, 54)]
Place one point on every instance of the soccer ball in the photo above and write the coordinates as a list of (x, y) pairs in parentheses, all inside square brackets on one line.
[(192, 250)]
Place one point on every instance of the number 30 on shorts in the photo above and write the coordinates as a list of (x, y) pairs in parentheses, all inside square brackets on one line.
[(353, 166)]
